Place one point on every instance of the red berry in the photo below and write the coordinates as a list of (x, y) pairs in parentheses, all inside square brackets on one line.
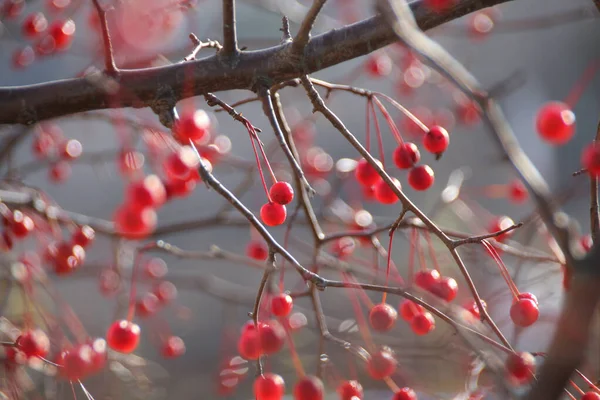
[(156, 268), (75, 362), (272, 336), (517, 192), (474, 309), (381, 364), (34, 24), (439, 5), (365, 174), (23, 57), (257, 250), (173, 347), (84, 236), (147, 305), (406, 155), (383, 317), (350, 390), (590, 396), (123, 336), (273, 214), (405, 393), (423, 323), (309, 388), (12, 8), (282, 193), (179, 188), (520, 367), (524, 312), (436, 140), (192, 126), (527, 295), (384, 193), (98, 347), (60, 171), (43, 144), (66, 257), (180, 164), (446, 288), (343, 246), (421, 177), (409, 309), (499, 224), (149, 192), (33, 343), (63, 33), (281, 305), (426, 279), (20, 224), (134, 223), (555, 123), (165, 291), (269, 387), (590, 158), (379, 64), (249, 343)]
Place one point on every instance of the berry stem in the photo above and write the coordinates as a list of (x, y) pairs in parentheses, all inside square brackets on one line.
[(379, 139), (258, 165), (421, 253), (133, 288), (389, 120), (368, 127), (582, 84), (403, 110), (411, 255), (590, 383), (503, 271), (295, 358), (360, 319)]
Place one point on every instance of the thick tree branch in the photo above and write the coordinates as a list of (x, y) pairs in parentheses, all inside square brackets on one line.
[(144, 87)]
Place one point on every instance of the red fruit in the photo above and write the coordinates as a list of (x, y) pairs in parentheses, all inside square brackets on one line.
[(282, 193), (272, 336), (60, 171), (446, 288), (439, 5), (66, 257), (527, 295), (590, 396), (423, 323), (405, 393), (365, 174), (350, 390), (436, 140), (156, 268), (474, 309), (524, 312), (43, 144), (257, 250), (409, 309), (426, 279), (12, 8), (192, 126), (309, 388), (147, 305), (179, 188), (520, 367), (23, 57), (72, 149), (75, 362), (273, 214), (281, 305), (555, 123), (98, 347), (501, 223), (384, 193), (421, 177), (517, 192), (269, 387), (58, 5), (34, 24), (123, 336), (149, 192), (249, 343), (165, 291), (63, 33), (381, 364), (343, 246), (84, 236), (406, 155), (20, 224), (134, 223), (173, 347), (130, 161), (180, 164), (383, 317), (379, 64), (33, 343), (590, 158)]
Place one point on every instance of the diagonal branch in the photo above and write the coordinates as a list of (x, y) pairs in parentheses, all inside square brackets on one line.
[(109, 59), (230, 46), (303, 35), (594, 209)]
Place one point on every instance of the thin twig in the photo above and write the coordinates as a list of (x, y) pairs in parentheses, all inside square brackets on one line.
[(594, 209), (109, 59), (303, 35)]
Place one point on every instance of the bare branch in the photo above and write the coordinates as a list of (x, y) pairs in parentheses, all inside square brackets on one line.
[(303, 35), (109, 59), (230, 46), (594, 209)]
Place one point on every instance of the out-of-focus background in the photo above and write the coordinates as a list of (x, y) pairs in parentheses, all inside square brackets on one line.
[(537, 51)]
